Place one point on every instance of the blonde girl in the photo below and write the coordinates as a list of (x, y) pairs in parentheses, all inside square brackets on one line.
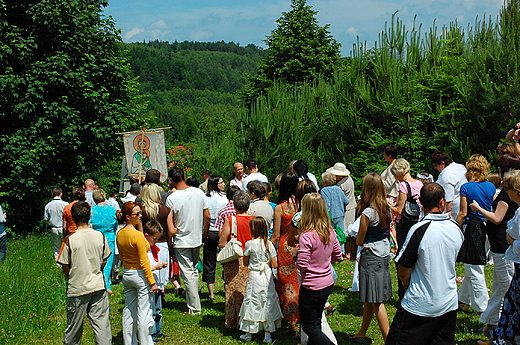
[(318, 247), (261, 306), (375, 285)]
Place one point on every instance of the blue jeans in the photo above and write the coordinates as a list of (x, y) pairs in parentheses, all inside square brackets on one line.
[(3, 247)]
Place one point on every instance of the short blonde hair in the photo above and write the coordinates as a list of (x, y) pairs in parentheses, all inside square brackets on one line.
[(477, 168), (328, 179), (512, 180), (400, 167), (99, 195)]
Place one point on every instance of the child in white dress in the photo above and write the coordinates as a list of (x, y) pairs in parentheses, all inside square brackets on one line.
[(261, 307)]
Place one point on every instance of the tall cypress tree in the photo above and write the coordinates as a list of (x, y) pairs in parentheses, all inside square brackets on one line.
[(299, 50)]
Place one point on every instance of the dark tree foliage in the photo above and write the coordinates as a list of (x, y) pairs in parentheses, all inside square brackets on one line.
[(299, 50), (215, 66), (65, 89)]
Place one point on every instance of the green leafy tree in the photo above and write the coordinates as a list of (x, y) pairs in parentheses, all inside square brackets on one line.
[(299, 50), (65, 89)]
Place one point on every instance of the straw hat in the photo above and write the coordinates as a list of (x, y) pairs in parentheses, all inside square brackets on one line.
[(338, 169)]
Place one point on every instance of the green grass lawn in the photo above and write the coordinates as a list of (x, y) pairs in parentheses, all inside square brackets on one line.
[(33, 306)]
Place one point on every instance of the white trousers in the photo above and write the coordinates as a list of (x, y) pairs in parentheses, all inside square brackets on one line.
[(56, 239), (473, 290), (137, 313), (164, 256), (355, 278), (502, 274), (188, 258)]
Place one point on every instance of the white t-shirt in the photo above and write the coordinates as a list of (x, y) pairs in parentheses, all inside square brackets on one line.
[(430, 250), (252, 177), (216, 202), (451, 179), (188, 207)]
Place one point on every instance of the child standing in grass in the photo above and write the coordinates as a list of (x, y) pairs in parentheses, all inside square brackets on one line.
[(261, 307), (82, 256), (153, 232)]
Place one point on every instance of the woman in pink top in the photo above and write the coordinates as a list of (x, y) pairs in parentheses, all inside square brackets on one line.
[(318, 247), (401, 170)]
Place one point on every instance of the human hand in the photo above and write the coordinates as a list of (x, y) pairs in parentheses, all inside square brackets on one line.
[(474, 205), (154, 288), (509, 239)]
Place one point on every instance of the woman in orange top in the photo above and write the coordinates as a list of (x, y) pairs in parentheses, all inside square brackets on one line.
[(138, 279), (235, 272), (287, 285)]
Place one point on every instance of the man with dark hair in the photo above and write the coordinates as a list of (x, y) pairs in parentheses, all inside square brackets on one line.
[(53, 214), (301, 169), (191, 218), (205, 176), (254, 174), (83, 255), (451, 177), (132, 193), (426, 266), (153, 176)]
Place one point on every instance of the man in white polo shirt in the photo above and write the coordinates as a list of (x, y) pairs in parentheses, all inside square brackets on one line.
[(428, 312)]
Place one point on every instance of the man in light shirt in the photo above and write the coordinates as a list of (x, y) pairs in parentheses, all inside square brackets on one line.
[(53, 214)]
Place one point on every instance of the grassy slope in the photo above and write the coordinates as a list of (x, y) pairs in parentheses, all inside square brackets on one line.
[(33, 306)]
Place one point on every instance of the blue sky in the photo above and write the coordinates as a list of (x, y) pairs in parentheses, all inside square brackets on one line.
[(248, 21)]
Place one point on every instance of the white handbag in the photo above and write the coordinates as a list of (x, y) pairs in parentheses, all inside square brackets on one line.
[(233, 249)]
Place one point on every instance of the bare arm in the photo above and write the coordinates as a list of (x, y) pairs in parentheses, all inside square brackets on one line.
[(463, 210), (494, 217), (404, 275), (400, 203), (363, 227), (223, 235), (273, 263), (277, 224), (66, 270), (246, 260), (207, 220)]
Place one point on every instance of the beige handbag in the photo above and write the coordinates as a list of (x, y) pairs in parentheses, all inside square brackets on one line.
[(233, 249)]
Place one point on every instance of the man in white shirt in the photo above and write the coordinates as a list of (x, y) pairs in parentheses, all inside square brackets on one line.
[(254, 174), (191, 219), (88, 186), (53, 214), (428, 312), (452, 176)]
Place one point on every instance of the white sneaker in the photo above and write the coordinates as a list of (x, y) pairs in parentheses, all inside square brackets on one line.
[(247, 337)]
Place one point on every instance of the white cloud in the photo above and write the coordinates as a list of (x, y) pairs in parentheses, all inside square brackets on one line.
[(132, 33), (352, 31), (160, 24)]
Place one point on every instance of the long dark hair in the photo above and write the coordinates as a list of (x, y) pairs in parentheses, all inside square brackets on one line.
[(288, 185), (213, 184)]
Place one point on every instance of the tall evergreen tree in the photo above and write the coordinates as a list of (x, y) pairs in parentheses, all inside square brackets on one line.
[(299, 50), (65, 89)]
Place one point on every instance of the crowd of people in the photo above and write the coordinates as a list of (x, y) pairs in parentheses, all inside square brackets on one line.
[(284, 269)]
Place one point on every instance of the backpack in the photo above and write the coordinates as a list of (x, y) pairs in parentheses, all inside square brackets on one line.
[(411, 210)]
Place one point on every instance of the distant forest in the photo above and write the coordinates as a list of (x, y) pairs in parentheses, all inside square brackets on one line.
[(191, 86)]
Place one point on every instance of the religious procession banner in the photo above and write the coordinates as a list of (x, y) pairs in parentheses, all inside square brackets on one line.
[(145, 150)]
